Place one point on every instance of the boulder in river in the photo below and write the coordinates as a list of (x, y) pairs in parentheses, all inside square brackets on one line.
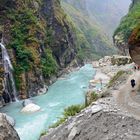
[(7, 132), (30, 108), (26, 102)]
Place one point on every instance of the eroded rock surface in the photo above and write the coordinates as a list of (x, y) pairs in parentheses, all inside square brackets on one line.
[(100, 125), (7, 132)]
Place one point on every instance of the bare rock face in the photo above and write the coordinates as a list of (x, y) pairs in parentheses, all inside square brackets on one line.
[(94, 123), (7, 132), (26, 102)]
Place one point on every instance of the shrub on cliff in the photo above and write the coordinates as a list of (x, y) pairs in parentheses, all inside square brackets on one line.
[(91, 96), (70, 111), (129, 22), (115, 78), (49, 65), (73, 110)]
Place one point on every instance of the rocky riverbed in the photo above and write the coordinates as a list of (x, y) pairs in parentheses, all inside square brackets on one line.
[(104, 119)]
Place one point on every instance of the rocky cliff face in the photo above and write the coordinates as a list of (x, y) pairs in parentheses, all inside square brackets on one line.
[(6, 130), (127, 34), (39, 40), (96, 123)]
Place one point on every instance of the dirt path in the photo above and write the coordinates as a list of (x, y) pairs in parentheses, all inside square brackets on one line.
[(128, 100)]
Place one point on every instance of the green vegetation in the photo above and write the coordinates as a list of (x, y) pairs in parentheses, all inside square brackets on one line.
[(90, 97), (44, 132), (20, 36), (49, 65), (30, 40), (74, 109), (70, 111), (59, 122), (115, 78), (129, 22), (23, 30)]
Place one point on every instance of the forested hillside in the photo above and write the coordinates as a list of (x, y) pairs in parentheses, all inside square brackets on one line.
[(95, 22), (127, 33)]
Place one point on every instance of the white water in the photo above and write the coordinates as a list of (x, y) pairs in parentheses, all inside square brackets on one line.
[(65, 92), (8, 68)]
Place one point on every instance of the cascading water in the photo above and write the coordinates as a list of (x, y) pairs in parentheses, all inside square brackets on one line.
[(9, 84)]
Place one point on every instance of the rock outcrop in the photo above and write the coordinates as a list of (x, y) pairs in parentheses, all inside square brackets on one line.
[(115, 60), (120, 60), (127, 33), (1, 81), (7, 132), (94, 123), (26, 102)]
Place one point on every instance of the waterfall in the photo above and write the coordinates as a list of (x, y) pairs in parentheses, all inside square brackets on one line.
[(9, 83)]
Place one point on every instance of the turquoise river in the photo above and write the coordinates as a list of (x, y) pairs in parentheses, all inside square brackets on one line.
[(63, 93)]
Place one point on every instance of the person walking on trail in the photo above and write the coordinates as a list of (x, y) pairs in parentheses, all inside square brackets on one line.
[(135, 68), (133, 83)]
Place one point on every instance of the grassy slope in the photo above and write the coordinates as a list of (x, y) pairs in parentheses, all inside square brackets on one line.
[(91, 39), (129, 22)]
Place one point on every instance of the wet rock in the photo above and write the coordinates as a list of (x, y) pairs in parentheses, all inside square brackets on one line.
[(2, 103), (9, 119), (26, 102), (7, 132), (30, 108), (43, 90)]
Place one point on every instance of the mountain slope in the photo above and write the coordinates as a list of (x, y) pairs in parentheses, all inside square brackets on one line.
[(127, 33), (95, 22), (108, 12), (90, 36)]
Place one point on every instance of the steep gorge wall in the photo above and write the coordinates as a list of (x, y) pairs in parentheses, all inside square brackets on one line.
[(39, 40), (112, 12), (92, 40), (127, 34)]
